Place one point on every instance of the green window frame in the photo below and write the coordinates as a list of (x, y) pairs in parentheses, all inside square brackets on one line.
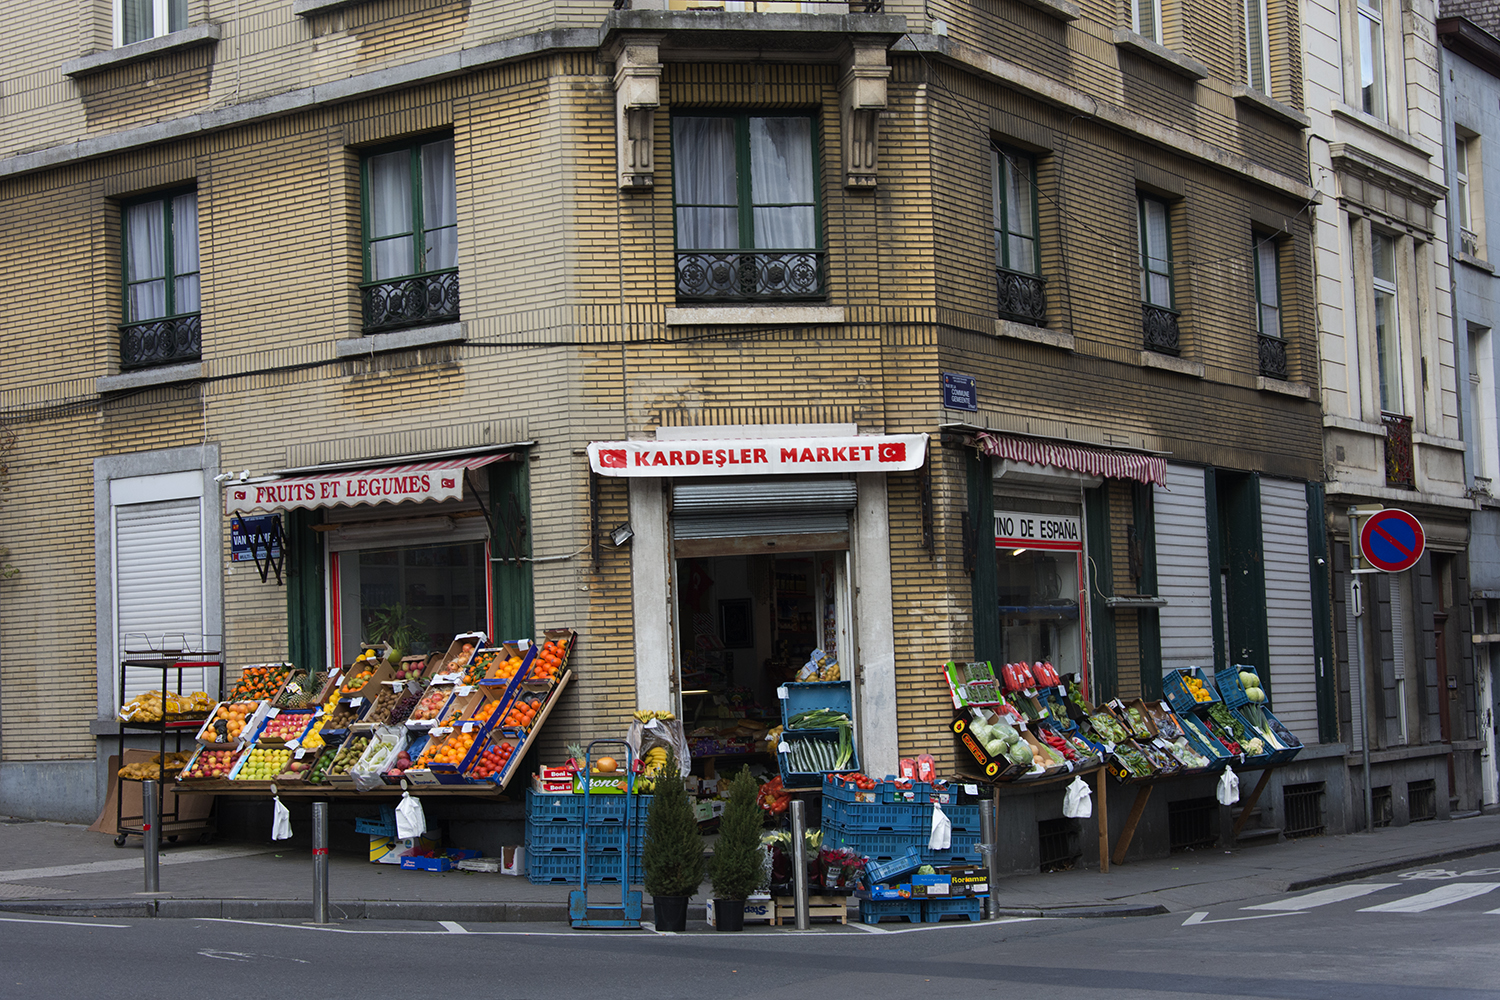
[(709, 213), (409, 209), (1017, 246), (159, 257), (1158, 287), (1267, 268)]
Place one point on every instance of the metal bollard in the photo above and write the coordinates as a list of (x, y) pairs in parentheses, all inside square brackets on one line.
[(987, 852), (799, 864), (320, 862), (151, 832)]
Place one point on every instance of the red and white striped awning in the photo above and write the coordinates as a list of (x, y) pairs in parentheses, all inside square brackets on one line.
[(1076, 458), (440, 479)]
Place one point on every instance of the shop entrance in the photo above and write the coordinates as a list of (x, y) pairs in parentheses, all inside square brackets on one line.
[(1039, 574)]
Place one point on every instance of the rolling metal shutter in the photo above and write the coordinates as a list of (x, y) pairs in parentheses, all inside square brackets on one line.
[(1289, 622), (159, 583), (1187, 632), (744, 517)]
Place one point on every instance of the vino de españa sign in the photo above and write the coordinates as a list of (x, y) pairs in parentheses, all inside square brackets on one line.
[(759, 456)]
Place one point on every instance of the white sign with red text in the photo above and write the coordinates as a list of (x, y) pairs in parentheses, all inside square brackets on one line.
[(759, 456), (368, 486)]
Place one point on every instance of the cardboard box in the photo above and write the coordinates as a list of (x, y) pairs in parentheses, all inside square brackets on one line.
[(388, 850), (551, 787), (759, 909), (556, 774), (930, 885)]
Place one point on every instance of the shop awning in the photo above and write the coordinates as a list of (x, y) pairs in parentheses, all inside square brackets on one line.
[(760, 456), (1076, 458), (438, 479)]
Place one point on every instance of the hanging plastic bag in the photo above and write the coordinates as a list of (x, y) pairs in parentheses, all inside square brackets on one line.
[(642, 736), (942, 830), (281, 820), (411, 821), (1229, 788), (1078, 800)]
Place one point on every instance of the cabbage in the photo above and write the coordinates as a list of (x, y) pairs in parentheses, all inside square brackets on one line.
[(1005, 732), (1019, 753)]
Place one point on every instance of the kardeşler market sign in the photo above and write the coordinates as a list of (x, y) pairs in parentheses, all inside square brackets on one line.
[(759, 456)]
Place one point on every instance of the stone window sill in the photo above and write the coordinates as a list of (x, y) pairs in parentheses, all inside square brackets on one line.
[(1060, 9), (1253, 98), (1284, 387), (1034, 334), (1193, 369), (308, 8), (757, 315), (1155, 52), (1350, 113), (401, 340), (148, 377), (177, 41), (1475, 262)]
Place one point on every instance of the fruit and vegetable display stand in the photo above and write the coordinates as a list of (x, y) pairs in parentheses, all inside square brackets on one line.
[(450, 724)]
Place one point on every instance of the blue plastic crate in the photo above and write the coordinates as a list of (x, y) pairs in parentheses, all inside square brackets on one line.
[(804, 696), (563, 838), (873, 911), (1178, 696), (877, 847), (934, 909), (542, 808), (888, 870), (1227, 682), (963, 850), (385, 826), (604, 869), (965, 818), (879, 817), (792, 778)]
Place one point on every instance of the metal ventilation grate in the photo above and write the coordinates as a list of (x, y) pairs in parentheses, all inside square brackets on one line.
[(1190, 823), (1302, 805), (1421, 799)]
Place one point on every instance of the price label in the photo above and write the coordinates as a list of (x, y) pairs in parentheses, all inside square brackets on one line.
[(783, 747), (781, 692), (300, 753), (441, 730), (464, 689), (971, 789), (294, 687), (356, 702), (318, 714), (294, 744), (271, 713), (651, 724), (468, 727), (1062, 691)]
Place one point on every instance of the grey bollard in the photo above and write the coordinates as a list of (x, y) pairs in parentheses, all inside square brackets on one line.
[(320, 862), (151, 832)]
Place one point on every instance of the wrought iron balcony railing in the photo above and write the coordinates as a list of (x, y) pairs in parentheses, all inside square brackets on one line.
[(1159, 325), (1023, 297), (1273, 357), (750, 275), (412, 301), (1399, 468), (168, 341), (1468, 242)]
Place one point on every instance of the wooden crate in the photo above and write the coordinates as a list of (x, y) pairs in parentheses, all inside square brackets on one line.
[(835, 908)]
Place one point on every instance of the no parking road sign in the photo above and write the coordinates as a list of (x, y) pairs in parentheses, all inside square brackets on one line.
[(1392, 540)]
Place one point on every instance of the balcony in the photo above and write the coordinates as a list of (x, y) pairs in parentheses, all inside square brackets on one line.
[(1399, 470), (417, 300), (1159, 325), (1023, 297), (168, 341), (1468, 243), (1273, 357), (750, 275)]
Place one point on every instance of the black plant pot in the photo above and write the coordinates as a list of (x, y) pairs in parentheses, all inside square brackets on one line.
[(671, 912), (729, 914)]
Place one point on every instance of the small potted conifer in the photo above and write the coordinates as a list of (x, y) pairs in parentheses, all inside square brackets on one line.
[(672, 855), (737, 867)]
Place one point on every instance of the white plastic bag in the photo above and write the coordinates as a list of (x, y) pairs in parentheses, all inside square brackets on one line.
[(281, 821), (1229, 788), (942, 830), (411, 821), (1078, 800)]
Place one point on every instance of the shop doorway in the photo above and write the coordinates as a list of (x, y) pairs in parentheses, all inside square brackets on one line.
[(433, 591)]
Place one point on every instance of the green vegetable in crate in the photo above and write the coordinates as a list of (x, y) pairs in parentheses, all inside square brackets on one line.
[(1019, 752), (818, 718), (1224, 717), (1075, 695), (1251, 683), (1108, 727), (926, 870), (1138, 721)]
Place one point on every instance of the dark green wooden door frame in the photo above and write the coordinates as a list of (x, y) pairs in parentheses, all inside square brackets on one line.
[(1099, 572), (1143, 508), (984, 582), (1320, 572), (306, 617), (510, 548)]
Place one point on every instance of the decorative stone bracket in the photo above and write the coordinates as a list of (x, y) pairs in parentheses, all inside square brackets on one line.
[(637, 96), (862, 96)]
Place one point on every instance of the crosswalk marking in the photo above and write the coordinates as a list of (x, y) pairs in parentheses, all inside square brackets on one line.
[(1322, 897), (1433, 898)]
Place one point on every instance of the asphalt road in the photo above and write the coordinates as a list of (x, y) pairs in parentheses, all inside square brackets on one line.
[(1421, 933)]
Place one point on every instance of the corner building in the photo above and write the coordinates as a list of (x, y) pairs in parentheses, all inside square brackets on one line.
[(1036, 276)]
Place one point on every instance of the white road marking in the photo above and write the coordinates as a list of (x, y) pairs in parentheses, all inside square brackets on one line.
[(1201, 917), (130, 864), (946, 925), (1322, 897), (1433, 898), (226, 956), (65, 923), (452, 926)]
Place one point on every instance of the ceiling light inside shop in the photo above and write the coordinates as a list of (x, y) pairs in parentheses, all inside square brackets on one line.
[(1016, 552)]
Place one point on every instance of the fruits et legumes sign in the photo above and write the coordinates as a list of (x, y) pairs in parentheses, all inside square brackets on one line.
[(759, 456)]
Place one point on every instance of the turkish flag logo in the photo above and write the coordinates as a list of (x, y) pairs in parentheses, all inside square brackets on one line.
[(239, 494), (448, 484), (893, 451), (611, 458)]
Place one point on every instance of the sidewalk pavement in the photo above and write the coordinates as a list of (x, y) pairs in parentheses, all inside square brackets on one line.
[(61, 869)]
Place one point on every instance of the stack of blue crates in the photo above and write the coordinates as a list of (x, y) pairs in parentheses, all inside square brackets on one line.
[(554, 837), (882, 825), (927, 911)]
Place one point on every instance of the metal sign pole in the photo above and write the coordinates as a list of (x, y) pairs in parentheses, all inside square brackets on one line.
[(1358, 668), (320, 862), (151, 832)]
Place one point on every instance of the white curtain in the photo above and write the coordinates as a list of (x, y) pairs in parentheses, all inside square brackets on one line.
[(781, 183), (704, 176), (439, 205), (1019, 226), (1156, 285), (185, 252), (1270, 306), (145, 255), (390, 215)]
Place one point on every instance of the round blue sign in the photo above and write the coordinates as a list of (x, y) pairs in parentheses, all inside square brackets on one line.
[(1392, 540)]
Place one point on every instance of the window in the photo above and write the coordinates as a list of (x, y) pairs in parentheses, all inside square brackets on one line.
[(1465, 155), (1387, 329), (1160, 317), (1145, 18), (1370, 30), (160, 241), (746, 205), (411, 236), (1257, 47), (1268, 307), (139, 20), (1017, 252)]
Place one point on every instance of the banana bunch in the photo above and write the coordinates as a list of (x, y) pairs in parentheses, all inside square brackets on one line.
[(653, 761), (647, 714)]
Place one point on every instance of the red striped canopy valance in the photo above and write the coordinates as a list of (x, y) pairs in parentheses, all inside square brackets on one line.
[(1076, 458)]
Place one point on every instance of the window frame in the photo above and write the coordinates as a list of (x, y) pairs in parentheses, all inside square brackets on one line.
[(1369, 18), (169, 276), (165, 17), (1258, 43), (1002, 159), (1153, 31), (1268, 244), (418, 232), (1387, 335), (1146, 272)]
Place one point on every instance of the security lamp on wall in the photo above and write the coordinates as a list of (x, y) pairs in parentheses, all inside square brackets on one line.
[(622, 534)]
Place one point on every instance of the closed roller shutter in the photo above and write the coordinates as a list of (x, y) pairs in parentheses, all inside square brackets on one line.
[(1289, 624), (799, 515), (159, 583), (1187, 633)]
